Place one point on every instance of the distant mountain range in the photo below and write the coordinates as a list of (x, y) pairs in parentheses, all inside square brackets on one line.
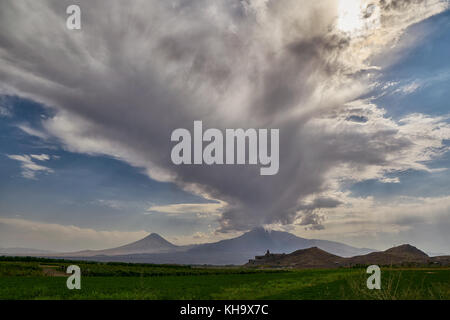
[(305, 253), (23, 251), (317, 258), (155, 249)]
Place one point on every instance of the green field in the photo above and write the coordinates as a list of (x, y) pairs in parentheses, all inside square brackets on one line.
[(22, 278)]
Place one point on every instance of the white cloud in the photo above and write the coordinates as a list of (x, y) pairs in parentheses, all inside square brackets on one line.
[(33, 132), (29, 167), (200, 209), (366, 222), (405, 144), (4, 111), (208, 236), (408, 88), (121, 204), (40, 157)]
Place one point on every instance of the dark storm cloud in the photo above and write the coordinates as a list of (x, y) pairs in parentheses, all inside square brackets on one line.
[(140, 69), (308, 212)]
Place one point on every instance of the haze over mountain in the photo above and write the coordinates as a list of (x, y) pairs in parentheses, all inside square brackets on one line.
[(155, 249), (23, 251)]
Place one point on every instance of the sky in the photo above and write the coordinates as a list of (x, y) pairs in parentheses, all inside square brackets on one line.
[(358, 90)]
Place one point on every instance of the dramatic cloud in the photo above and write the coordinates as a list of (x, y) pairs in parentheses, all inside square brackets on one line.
[(140, 69), (382, 224)]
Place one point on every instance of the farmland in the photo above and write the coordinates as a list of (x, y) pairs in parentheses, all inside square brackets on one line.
[(29, 278)]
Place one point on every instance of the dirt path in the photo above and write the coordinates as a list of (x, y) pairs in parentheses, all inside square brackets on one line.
[(52, 271)]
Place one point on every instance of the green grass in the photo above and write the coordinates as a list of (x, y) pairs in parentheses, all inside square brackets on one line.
[(25, 280)]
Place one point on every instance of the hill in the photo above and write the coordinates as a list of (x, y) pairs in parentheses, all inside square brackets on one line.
[(305, 258), (317, 258), (396, 255)]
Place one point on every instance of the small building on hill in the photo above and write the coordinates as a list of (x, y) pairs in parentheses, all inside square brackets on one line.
[(268, 258)]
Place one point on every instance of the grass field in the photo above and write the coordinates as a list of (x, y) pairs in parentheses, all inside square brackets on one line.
[(22, 278)]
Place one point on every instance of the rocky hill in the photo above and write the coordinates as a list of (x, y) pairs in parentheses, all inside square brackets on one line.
[(304, 258), (316, 258)]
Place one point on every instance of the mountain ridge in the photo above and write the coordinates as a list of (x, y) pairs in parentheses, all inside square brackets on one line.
[(305, 253), (155, 249)]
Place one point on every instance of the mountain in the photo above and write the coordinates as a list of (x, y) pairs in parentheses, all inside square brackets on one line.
[(397, 255), (441, 260), (153, 243), (239, 250), (155, 249), (407, 251)]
